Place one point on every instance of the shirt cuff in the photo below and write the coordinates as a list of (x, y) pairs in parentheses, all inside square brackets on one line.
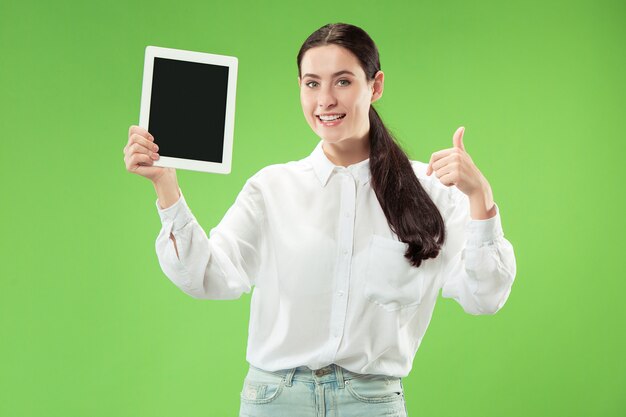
[(480, 232), (178, 214)]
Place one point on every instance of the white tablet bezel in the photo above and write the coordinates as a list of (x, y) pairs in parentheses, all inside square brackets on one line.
[(153, 52)]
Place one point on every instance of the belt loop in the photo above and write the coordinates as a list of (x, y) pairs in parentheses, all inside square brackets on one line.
[(339, 373), (289, 377)]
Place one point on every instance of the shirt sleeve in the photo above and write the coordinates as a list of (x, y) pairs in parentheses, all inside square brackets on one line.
[(478, 262), (222, 265)]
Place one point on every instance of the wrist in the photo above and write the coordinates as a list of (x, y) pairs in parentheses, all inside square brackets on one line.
[(482, 205), (167, 190), (165, 180)]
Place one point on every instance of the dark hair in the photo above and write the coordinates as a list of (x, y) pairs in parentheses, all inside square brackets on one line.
[(410, 212)]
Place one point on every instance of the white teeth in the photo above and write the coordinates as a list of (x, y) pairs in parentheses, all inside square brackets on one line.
[(329, 118)]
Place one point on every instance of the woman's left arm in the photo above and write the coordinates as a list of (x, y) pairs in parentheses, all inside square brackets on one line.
[(479, 263)]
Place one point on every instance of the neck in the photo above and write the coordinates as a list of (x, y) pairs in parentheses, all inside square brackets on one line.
[(348, 151)]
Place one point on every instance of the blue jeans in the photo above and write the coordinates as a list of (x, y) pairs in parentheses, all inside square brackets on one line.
[(331, 391)]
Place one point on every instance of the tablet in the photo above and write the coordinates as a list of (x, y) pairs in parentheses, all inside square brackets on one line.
[(188, 105)]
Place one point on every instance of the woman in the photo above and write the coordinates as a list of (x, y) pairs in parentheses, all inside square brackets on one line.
[(347, 248)]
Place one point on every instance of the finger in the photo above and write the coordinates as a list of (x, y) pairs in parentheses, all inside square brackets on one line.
[(141, 132), (137, 148), (138, 160), (449, 179), (446, 169), (457, 139), (135, 138), (453, 158), (430, 169), (437, 156)]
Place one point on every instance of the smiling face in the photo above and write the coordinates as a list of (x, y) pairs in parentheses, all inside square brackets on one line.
[(334, 84)]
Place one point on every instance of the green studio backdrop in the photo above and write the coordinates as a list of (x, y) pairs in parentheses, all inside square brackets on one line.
[(90, 325)]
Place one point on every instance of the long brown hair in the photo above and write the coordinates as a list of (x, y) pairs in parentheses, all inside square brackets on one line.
[(410, 212)]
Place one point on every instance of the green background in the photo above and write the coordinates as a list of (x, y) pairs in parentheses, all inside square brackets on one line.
[(90, 325)]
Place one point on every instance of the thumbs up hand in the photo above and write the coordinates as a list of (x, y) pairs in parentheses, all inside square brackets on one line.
[(454, 166)]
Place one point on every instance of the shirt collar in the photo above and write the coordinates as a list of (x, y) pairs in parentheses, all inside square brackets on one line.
[(323, 167)]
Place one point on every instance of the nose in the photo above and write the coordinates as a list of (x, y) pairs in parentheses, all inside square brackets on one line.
[(326, 98)]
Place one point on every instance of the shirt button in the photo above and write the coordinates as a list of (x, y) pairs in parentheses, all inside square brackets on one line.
[(345, 251), (340, 293), (347, 214)]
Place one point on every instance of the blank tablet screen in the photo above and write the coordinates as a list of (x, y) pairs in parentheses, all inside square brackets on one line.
[(188, 109)]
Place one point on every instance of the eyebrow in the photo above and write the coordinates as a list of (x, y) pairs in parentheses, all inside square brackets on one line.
[(334, 75)]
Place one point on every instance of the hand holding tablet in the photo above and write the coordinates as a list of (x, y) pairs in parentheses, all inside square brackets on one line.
[(188, 106), (140, 153)]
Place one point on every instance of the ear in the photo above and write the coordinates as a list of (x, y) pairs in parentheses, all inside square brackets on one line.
[(378, 86)]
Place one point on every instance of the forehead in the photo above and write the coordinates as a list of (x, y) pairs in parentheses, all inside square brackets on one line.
[(328, 59)]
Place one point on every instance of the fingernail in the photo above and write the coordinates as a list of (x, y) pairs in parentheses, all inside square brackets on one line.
[(156, 147)]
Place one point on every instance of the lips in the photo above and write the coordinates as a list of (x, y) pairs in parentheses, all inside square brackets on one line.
[(342, 115)]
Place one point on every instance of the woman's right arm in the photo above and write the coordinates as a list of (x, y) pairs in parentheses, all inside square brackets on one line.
[(140, 153), (222, 267)]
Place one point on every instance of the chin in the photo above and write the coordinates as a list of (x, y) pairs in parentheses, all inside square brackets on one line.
[(331, 140)]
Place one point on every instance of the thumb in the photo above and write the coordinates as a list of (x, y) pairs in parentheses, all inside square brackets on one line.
[(457, 139)]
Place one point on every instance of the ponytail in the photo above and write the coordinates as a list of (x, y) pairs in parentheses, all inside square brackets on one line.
[(410, 212)]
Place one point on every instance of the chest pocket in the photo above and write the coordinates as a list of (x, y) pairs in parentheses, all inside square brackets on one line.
[(391, 281)]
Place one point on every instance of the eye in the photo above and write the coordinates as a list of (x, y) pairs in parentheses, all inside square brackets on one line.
[(315, 82)]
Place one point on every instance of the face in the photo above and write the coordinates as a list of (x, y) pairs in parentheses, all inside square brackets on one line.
[(324, 91)]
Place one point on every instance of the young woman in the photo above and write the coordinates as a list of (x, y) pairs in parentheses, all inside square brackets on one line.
[(347, 249)]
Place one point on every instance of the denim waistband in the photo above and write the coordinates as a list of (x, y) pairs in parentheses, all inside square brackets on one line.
[(330, 373)]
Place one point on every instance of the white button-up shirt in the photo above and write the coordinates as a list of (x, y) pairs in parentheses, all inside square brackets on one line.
[(329, 280)]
